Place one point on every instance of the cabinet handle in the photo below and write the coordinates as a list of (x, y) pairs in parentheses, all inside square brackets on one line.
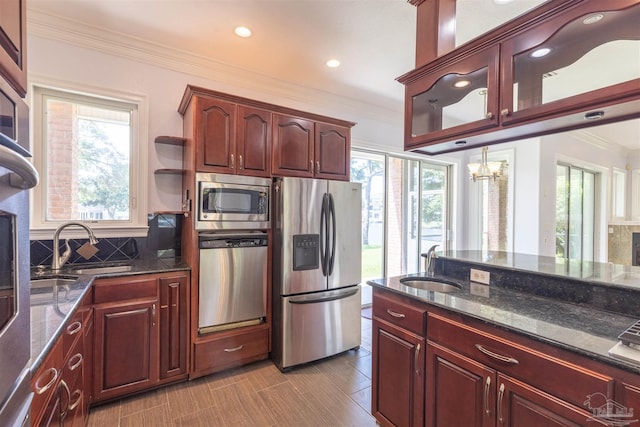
[(241, 162), (153, 314), (394, 314), (63, 413), (500, 399), (317, 166), (416, 360), (77, 394), (74, 328), (487, 388), (311, 165), (74, 365), (54, 376), (233, 162), (505, 359), (231, 350), (505, 112), (489, 115)]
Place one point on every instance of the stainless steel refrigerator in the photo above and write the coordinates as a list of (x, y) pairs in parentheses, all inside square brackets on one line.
[(316, 269)]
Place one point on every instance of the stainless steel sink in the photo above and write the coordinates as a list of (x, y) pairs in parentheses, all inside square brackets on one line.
[(51, 282), (104, 270), (430, 284)]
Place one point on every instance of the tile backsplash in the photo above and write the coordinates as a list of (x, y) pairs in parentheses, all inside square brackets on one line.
[(162, 241)]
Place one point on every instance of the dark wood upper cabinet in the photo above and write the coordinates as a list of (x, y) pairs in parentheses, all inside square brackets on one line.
[(253, 142), (293, 142), (589, 75), (215, 135), (332, 151), (13, 38)]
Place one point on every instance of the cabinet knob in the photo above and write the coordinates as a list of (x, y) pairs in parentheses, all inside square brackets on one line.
[(505, 112), (489, 115)]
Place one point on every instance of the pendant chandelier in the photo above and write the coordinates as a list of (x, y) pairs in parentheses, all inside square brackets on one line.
[(484, 169)]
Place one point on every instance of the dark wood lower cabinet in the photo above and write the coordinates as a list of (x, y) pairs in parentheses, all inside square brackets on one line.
[(173, 325), (126, 348), (398, 376)]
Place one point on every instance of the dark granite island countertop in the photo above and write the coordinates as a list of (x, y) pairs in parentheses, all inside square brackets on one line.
[(53, 306), (575, 326)]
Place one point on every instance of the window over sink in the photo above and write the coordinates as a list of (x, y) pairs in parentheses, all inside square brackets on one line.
[(90, 149)]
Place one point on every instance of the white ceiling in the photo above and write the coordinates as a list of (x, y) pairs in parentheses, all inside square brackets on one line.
[(292, 39)]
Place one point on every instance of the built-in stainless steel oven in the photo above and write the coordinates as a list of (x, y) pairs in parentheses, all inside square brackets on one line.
[(232, 202), (232, 282), (16, 176)]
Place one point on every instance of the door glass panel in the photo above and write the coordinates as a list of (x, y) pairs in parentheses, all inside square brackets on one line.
[(8, 280), (455, 99), (434, 207), (368, 169), (571, 61)]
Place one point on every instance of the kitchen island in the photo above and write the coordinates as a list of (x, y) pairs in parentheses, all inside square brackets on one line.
[(559, 323)]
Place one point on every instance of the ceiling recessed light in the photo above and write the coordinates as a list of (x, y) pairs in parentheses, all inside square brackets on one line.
[(333, 63), (539, 53), (242, 32), (462, 83), (502, 1), (591, 19)]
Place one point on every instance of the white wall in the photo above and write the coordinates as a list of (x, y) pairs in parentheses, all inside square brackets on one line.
[(163, 87)]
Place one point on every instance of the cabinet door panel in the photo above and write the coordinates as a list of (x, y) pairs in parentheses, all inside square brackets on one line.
[(520, 404), (293, 140), (460, 391), (216, 136), (332, 145), (254, 142), (12, 44), (398, 376), (173, 326), (126, 355)]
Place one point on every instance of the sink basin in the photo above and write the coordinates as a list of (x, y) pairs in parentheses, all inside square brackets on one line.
[(430, 284), (51, 282), (104, 270)]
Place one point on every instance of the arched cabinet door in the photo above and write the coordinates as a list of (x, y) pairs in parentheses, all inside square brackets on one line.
[(215, 135), (293, 145), (332, 151), (253, 151)]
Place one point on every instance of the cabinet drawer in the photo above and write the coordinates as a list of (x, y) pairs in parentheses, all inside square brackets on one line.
[(557, 377), (45, 381), (398, 313), (124, 288), (231, 350)]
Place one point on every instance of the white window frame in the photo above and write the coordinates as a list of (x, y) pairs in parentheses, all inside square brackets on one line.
[(137, 225)]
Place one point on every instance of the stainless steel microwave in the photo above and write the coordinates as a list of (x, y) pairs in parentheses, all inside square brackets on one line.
[(232, 202)]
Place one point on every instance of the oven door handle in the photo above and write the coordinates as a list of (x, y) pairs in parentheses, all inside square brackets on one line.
[(323, 299), (24, 175)]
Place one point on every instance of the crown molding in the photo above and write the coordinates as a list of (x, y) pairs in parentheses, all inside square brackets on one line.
[(50, 26), (597, 141)]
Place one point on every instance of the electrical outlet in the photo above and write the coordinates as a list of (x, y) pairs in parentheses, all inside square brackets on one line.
[(479, 276)]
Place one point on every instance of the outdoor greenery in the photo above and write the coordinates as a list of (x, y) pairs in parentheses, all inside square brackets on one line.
[(371, 261), (103, 179)]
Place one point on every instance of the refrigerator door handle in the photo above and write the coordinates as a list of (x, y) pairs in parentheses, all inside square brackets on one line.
[(332, 221), (324, 235), (324, 299)]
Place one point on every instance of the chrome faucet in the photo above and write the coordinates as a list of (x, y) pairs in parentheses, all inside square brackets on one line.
[(429, 263), (59, 260)]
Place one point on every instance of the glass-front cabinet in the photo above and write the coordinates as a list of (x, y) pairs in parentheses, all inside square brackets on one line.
[(455, 99), (565, 65), (588, 55)]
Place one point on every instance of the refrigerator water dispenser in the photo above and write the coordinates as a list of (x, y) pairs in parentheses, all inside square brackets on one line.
[(305, 251)]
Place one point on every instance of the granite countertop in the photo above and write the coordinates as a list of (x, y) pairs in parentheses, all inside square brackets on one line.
[(596, 272), (52, 306), (578, 328)]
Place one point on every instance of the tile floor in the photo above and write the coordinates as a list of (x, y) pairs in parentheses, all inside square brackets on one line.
[(332, 392)]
